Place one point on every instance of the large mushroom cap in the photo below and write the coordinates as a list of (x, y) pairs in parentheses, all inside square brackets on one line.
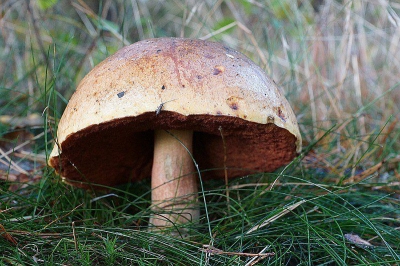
[(105, 135)]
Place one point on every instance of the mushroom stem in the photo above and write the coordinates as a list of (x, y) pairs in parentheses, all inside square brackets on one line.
[(173, 181)]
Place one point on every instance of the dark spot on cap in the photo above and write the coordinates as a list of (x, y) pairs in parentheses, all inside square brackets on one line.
[(281, 115), (121, 94), (270, 119), (234, 106), (227, 49), (163, 87), (233, 102), (199, 77), (218, 70), (219, 113), (159, 50)]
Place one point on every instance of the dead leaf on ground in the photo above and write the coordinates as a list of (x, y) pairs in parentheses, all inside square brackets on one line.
[(357, 240), (20, 181), (363, 175), (16, 137), (7, 236)]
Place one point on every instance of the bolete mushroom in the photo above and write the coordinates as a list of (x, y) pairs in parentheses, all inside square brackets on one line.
[(145, 110)]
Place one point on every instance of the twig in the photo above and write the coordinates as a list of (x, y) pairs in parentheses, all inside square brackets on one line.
[(63, 216), (11, 163), (277, 216), (213, 250), (74, 235), (255, 260)]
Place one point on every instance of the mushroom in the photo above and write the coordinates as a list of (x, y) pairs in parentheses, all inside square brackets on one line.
[(147, 109)]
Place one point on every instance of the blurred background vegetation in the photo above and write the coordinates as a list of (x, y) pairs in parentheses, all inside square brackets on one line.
[(338, 63)]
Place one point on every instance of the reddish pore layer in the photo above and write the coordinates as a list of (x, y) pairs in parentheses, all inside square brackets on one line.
[(121, 150)]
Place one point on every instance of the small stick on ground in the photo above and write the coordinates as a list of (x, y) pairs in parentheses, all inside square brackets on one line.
[(213, 250), (59, 218), (277, 216), (74, 235), (255, 260)]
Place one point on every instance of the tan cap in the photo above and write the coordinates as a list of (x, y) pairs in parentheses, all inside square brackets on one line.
[(105, 135)]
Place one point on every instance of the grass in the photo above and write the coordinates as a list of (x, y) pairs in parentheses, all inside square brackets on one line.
[(336, 204)]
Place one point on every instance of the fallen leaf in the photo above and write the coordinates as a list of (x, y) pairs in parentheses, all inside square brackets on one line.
[(357, 240), (7, 236), (22, 181), (363, 175), (14, 138)]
